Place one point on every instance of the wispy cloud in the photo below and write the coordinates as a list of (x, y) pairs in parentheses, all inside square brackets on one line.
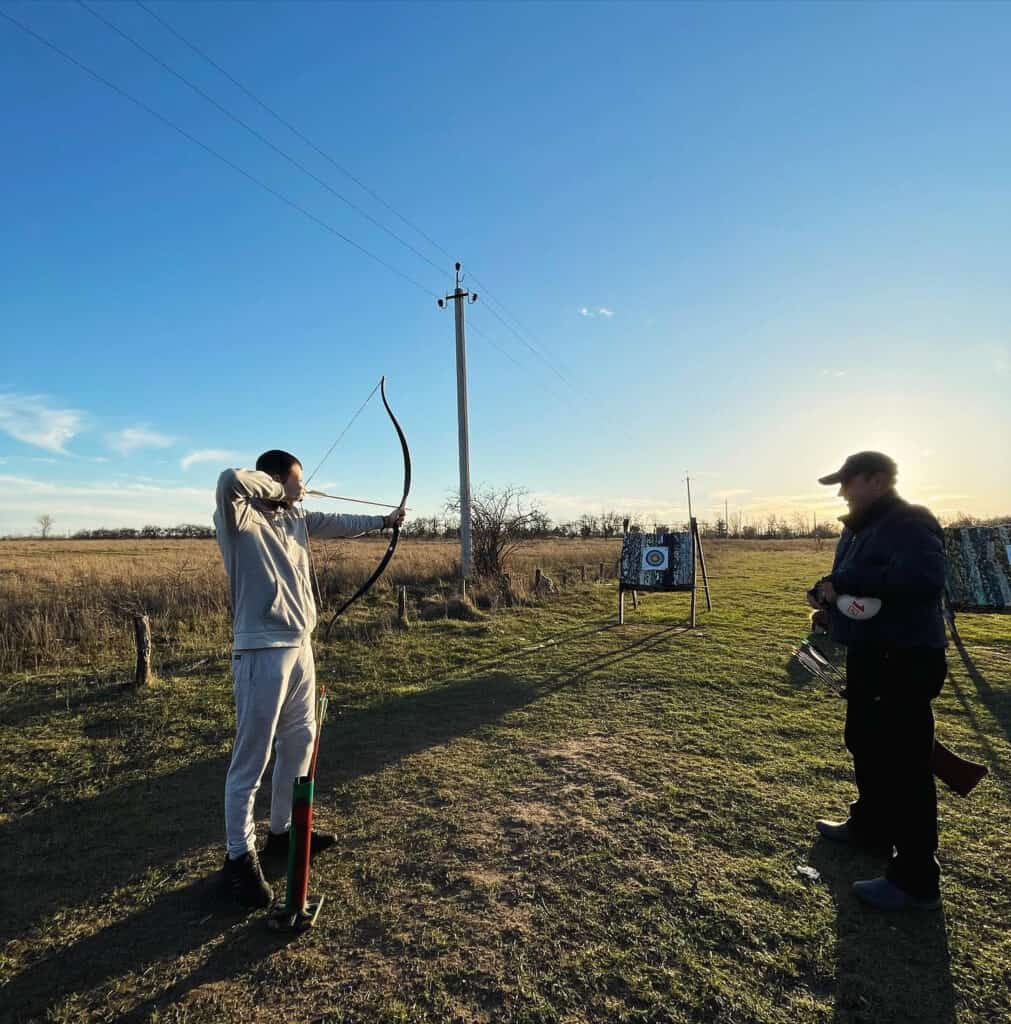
[(31, 419), (207, 455), (32, 485), (584, 311), (592, 314), (604, 311), (100, 503), (132, 438)]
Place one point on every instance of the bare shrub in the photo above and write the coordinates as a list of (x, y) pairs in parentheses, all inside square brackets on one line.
[(500, 522)]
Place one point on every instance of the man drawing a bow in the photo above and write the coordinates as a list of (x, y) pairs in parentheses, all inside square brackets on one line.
[(264, 541)]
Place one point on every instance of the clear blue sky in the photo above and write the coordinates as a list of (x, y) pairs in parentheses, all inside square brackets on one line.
[(796, 217)]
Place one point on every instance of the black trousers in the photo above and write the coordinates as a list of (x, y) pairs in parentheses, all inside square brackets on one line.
[(890, 733)]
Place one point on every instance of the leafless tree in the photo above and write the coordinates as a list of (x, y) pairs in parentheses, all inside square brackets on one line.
[(800, 525), (499, 522), (610, 524), (45, 522)]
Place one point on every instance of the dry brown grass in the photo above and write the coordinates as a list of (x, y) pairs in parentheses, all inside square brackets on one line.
[(70, 602)]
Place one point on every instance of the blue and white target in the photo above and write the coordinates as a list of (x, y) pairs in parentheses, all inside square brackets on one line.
[(655, 559)]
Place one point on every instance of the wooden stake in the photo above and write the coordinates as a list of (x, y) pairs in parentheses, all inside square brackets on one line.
[(402, 604), (582, 574), (142, 637), (702, 559)]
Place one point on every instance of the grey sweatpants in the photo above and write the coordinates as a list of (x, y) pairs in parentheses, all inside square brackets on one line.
[(275, 707)]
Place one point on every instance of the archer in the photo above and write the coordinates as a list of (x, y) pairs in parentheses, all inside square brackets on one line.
[(264, 541)]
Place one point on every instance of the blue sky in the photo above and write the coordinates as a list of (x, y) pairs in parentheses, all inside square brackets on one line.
[(751, 237)]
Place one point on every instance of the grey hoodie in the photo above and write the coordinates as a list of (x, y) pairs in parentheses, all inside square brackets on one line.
[(266, 555)]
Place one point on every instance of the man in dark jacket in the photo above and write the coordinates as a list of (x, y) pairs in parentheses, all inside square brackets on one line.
[(895, 666)]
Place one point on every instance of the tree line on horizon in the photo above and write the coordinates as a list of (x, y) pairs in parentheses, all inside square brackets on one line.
[(532, 524)]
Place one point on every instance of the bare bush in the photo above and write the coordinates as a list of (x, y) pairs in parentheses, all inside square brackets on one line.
[(500, 522)]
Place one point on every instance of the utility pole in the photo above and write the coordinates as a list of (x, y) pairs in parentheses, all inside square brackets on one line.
[(726, 517), (460, 297)]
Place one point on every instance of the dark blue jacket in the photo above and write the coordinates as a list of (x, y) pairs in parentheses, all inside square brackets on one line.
[(893, 551)]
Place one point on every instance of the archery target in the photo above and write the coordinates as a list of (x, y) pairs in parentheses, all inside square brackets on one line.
[(655, 559)]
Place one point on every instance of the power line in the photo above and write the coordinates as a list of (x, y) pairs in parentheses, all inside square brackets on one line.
[(494, 344), (505, 309), (272, 191), (213, 152), (343, 170), (256, 134), (287, 124), (558, 373)]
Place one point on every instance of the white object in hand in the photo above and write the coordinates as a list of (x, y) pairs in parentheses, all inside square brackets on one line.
[(858, 607)]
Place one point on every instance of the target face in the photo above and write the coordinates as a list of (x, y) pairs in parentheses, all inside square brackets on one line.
[(655, 559)]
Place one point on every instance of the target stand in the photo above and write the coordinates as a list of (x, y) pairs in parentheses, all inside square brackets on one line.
[(662, 562)]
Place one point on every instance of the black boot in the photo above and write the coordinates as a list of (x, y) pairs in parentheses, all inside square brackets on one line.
[(276, 845), (847, 833), (242, 882)]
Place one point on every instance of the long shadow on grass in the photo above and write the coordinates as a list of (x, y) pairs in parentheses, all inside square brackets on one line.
[(997, 703), (75, 695), (589, 666), (560, 639), (174, 924), (890, 967), (72, 855)]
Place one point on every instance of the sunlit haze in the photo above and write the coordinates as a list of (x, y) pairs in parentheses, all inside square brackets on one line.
[(732, 241)]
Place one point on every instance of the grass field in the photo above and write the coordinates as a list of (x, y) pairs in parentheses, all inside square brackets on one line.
[(543, 817), (66, 603)]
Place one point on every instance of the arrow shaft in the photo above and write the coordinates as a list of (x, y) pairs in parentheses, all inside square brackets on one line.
[(357, 501)]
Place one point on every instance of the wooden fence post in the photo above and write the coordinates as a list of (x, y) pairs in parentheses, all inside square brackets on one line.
[(402, 604), (142, 636), (565, 577), (537, 580), (582, 574), (600, 574)]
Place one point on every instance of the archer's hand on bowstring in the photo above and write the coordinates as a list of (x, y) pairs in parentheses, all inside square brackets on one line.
[(395, 518)]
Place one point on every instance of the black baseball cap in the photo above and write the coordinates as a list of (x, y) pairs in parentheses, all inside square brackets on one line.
[(862, 462)]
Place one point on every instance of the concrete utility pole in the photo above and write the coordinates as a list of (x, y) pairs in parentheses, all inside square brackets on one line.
[(459, 297)]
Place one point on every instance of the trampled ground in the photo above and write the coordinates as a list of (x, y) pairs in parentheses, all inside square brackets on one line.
[(543, 817)]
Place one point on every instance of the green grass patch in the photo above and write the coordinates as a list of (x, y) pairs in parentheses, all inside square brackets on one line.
[(543, 818)]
